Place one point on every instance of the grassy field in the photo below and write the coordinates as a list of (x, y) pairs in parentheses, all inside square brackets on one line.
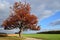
[(44, 36), (39, 36)]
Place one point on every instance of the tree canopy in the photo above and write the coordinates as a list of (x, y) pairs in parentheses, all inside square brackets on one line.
[(21, 17)]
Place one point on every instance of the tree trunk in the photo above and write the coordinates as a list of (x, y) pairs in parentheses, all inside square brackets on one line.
[(20, 32)]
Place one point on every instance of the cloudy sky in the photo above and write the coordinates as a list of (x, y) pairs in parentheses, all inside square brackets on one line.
[(47, 11)]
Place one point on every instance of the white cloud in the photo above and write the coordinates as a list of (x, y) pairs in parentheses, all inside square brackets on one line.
[(8, 31), (46, 8), (54, 23), (1, 6), (45, 14), (4, 10)]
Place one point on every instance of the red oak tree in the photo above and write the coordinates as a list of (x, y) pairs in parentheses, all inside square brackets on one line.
[(21, 18)]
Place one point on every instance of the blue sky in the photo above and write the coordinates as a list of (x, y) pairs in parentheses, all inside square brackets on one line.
[(47, 11)]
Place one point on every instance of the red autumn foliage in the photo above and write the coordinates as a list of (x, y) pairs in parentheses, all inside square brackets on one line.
[(21, 18)]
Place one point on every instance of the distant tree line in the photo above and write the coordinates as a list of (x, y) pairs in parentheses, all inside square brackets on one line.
[(3, 34), (49, 32)]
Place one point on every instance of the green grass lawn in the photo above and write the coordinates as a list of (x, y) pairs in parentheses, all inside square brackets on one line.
[(44, 36), (39, 36)]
